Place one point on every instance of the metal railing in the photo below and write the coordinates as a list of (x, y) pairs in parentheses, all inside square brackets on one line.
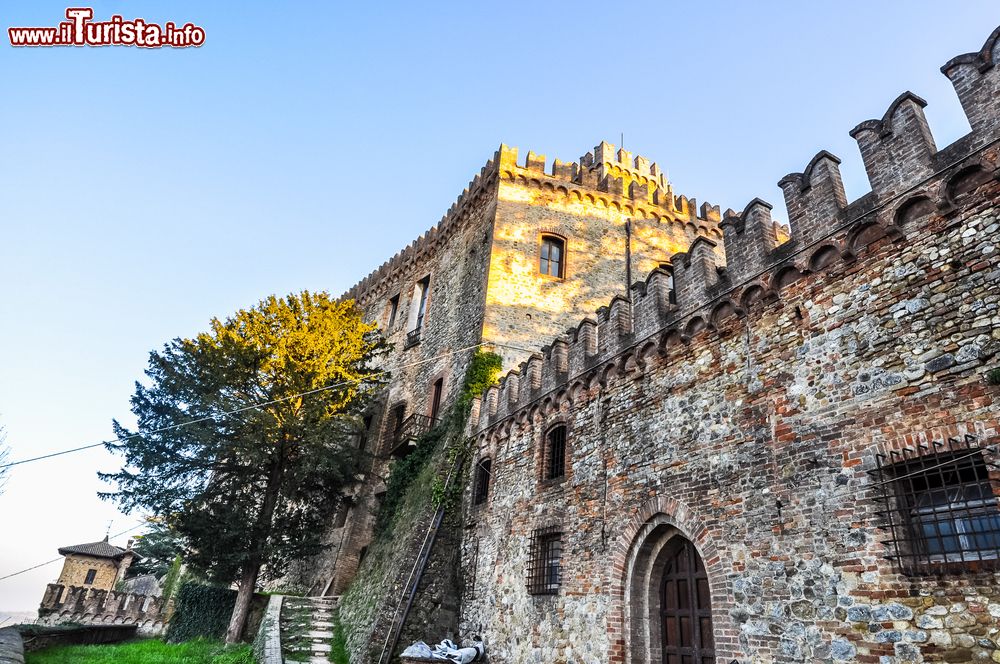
[(412, 428), (412, 338)]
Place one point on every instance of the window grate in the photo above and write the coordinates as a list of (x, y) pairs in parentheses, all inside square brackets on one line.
[(545, 553), (483, 474), (939, 508), (556, 452)]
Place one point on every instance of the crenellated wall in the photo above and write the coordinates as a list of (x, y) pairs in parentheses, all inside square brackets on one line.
[(747, 416), (87, 606)]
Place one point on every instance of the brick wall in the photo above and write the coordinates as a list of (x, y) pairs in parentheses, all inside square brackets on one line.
[(747, 419)]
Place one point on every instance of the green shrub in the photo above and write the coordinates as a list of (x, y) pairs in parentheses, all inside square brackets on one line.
[(200, 611)]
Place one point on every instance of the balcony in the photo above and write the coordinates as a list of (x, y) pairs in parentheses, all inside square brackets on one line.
[(412, 338), (404, 439)]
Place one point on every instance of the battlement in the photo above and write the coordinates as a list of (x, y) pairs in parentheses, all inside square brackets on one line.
[(89, 606), (612, 176), (913, 185), (438, 234)]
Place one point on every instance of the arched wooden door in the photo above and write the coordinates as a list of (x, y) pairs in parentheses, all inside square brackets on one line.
[(685, 609)]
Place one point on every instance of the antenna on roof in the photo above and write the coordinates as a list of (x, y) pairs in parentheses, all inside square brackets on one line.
[(107, 533)]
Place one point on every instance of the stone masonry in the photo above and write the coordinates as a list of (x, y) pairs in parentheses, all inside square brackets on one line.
[(481, 268), (751, 418)]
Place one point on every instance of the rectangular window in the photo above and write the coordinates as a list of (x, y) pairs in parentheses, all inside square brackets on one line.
[(544, 561), (366, 425), (393, 311), (556, 453), (552, 256), (436, 391), (341, 518), (420, 297), (398, 415), (91, 575), (941, 512), (483, 475)]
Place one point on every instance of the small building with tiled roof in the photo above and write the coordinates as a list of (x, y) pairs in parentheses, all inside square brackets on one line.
[(98, 565)]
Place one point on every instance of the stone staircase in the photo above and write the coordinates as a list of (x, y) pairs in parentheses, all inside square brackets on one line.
[(307, 629)]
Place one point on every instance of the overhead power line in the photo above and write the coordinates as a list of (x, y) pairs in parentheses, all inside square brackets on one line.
[(49, 562), (262, 404)]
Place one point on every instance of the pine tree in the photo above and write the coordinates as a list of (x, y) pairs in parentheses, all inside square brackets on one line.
[(270, 400)]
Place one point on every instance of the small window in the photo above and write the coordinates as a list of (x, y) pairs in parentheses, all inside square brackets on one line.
[(365, 430), (555, 452), (552, 257), (396, 422), (941, 511), (393, 311), (545, 554), (483, 475), (91, 575), (341, 518), (420, 298), (436, 392), (669, 269)]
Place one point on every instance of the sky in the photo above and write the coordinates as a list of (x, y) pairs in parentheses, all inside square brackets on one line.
[(143, 192)]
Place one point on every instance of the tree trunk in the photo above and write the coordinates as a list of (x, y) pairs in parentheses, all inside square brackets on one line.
[(248, 583), (262, 530)]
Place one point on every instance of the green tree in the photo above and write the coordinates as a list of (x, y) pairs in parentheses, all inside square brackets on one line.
[(270, 401), (159, 547)]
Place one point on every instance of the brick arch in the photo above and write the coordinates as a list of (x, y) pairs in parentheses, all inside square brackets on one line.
[(660, 519)]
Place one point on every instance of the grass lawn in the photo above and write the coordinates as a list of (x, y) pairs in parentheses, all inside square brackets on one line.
[(146, 652)]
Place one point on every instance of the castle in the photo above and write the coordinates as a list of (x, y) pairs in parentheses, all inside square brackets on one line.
[(521, 255), (777, 447)]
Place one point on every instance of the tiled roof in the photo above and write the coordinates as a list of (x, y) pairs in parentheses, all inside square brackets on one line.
[(96, 549)]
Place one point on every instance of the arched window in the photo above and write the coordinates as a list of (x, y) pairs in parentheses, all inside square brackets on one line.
[(483, 474), (552, 256), (555, 452)]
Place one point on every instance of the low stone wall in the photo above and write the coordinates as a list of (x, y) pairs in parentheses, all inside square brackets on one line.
[(267, 645), (89, 606), (11, 647), (40, 637)]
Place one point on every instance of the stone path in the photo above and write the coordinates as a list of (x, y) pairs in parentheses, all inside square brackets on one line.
[(307, 629)]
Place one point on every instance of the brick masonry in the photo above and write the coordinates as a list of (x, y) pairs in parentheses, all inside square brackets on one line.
[(746, 416)]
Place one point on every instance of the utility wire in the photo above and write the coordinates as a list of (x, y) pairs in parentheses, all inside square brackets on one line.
[(49, 562), (260, 405)]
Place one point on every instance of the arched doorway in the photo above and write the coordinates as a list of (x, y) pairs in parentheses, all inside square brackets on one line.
[(685, 606), (658, 556)]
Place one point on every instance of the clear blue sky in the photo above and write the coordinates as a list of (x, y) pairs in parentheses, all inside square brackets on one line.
[(143, 192)]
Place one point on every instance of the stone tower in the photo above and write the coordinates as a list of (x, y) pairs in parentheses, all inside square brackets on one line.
[(522, 254)]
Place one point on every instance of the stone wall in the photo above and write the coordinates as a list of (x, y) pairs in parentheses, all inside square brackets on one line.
[(747, 418), (11, 647), (587, 207), (485, 288), (75, 568), (89, 606)]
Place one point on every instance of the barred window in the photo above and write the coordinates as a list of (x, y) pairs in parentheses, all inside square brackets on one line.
[(483, 473), (939, 507), (552, 256), (544, 574), (555, 452)]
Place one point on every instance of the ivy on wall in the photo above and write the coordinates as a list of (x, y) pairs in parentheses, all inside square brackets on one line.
[(484, 367), (200, 611)]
